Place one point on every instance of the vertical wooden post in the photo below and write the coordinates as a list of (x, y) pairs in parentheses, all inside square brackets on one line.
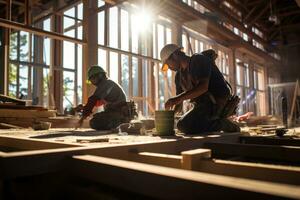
[(27, 12), (252, 107), (266, 88), (90, 50), (6, 48), (119, 47), (232, 69), (130, 57)]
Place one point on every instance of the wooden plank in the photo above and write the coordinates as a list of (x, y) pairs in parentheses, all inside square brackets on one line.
[(191, 157), (160, 159), (11, 106), (7, 113), (266, 152), (8, 126), (31, 144), (269, 141), (168, 183), (265, 172), (4, 98)]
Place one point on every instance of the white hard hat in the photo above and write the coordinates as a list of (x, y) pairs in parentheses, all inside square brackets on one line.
[(166, 52)]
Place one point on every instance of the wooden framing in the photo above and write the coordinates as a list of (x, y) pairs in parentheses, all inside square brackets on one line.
[(161, 166), (48, 160), (269, 141), (14, 25), (267, 152), (160, 182), (201, 160)]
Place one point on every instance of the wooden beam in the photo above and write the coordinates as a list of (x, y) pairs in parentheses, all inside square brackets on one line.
[(285, 14), (269, 141), (25, 144), (257, 171), (13, 2), (168, 183), (13, 113), (14, 25), (253, 3), (249, 13), (231, 20), (266, 152), (166, 160), (262, 11)]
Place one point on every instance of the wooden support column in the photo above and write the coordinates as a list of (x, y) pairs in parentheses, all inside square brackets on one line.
[(232, 69), (90, 50), (2, 60), (266, 88), (37, 86), (151, 91), (56, 77), (252, 106), (6, 47), (176, 39), (177, 34)]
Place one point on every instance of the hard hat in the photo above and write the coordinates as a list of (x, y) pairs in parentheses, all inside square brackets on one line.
[(165, 53), (93, 70), (210, 53)]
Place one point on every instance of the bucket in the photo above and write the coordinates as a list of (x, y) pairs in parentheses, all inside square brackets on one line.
[(164, 122)]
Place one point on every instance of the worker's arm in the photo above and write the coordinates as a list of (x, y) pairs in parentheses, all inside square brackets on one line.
[(191, 94), (88, 108)]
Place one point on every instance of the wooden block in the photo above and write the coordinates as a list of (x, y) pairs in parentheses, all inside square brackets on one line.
[(190, 158)]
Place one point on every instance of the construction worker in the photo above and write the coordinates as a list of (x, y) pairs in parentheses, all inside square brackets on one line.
[(199, 80), (109, 94)]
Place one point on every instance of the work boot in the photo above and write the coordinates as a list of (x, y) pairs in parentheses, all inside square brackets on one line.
[(224, 125), (229, 126)]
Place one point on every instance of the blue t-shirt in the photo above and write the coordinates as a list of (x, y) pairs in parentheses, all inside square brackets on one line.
[(201, 67)]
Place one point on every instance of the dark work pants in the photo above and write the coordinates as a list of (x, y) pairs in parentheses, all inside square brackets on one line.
[(107, 120), (204, 117)]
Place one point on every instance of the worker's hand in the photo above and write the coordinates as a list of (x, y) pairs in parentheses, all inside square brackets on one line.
[(79, 123), (178, 108), (79, 108), (172, 102)]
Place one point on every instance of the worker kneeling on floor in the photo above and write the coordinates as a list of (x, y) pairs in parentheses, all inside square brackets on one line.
[(199, 80), (109, 94)]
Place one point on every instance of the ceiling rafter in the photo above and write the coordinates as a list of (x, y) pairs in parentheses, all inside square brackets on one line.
[(266, 7)]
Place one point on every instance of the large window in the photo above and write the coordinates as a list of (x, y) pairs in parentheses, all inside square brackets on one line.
[(72, 57), (33, 61), (130, 55), (259, 88), (243, 86)]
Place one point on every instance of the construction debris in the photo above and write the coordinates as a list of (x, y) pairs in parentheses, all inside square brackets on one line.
[(92, 140)]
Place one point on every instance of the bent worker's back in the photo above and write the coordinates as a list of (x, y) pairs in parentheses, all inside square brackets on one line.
[(110, 92)]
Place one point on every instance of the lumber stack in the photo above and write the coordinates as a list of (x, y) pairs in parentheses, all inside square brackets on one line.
[(15, 112)]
